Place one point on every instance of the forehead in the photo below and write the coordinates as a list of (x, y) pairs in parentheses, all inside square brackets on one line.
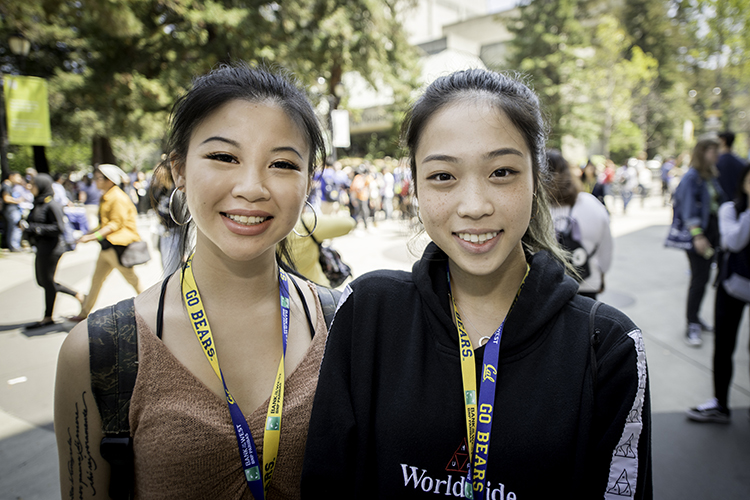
[(234, 117), (468, 126)]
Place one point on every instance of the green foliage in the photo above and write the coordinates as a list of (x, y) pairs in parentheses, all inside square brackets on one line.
[(63, 157), (115, 67), (627, 139)]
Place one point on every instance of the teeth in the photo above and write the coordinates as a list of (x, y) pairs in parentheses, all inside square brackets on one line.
[(477, 238), (248, 221)]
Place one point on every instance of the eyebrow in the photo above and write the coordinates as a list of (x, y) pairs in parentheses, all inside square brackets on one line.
[(487, 156), (222, 139), (237, 145)]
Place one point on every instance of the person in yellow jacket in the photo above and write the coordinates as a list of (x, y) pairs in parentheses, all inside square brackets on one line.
[(305, 250), (117, 228)]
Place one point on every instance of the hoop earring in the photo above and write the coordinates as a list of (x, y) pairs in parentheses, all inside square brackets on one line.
[(171, 211), (314, 225)]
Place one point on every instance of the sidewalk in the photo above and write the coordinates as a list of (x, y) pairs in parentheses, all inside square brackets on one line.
[(648, 282)]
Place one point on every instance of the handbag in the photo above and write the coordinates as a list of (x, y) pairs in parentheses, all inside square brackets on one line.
[(134, 254), (330, 261), (679, 236)]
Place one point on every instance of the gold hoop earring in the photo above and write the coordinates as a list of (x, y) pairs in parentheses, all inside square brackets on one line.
[(310, 233), (171, 210)]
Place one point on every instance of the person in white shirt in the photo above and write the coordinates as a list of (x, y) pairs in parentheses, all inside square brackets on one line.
[(569, 202)]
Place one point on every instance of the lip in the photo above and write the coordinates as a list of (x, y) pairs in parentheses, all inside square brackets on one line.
[(478, 248), (243, 229)]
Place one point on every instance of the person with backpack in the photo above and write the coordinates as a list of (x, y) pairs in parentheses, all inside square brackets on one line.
[(227, 349), (480, 374), (581, 225), (45, 229), (732, 295)]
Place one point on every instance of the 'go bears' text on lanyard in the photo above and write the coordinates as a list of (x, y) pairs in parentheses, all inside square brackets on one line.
[(258, 477), (478, 427)]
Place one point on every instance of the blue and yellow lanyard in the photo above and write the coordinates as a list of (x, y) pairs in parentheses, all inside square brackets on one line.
[(478, 428), (258, 478)]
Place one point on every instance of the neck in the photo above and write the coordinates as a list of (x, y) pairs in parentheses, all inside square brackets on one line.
[(489, 296), (224, 282)]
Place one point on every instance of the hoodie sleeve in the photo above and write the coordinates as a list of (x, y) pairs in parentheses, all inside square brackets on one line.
[(330, 455), (621, 447)]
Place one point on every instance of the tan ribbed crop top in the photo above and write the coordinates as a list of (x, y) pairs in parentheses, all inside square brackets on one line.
[(183, 440)]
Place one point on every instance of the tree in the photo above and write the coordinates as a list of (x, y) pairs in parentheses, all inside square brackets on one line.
[(116, 67), (547, 39)]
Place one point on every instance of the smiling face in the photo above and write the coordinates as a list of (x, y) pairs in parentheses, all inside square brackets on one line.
[(245, 178), (475, 186)]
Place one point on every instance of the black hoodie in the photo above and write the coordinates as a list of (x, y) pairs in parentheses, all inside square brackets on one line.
[(389, 420), (46, 222)]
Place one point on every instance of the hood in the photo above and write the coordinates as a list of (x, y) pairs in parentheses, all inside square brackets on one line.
[(43, 183), (545, 292)]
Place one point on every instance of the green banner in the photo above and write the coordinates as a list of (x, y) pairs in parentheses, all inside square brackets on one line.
[(27, 110)]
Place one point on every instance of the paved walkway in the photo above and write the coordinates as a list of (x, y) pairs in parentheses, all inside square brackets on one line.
[(648, 282)]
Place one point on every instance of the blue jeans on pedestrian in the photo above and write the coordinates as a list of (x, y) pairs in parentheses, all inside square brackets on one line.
[(13, 217)]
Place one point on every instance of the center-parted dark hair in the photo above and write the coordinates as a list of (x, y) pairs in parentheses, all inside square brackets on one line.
[(239, 82), (521, 105)]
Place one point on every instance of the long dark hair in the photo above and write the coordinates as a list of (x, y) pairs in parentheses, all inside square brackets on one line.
[(224, 84), (521, 105)]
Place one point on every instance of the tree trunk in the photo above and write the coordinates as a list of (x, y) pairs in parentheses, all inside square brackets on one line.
[(101, 151), (40, 160)]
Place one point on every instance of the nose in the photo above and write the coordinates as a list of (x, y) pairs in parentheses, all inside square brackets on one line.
[(476, 199), (250, 183)]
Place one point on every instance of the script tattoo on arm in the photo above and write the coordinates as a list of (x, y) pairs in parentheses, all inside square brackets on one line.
[(81, 457)]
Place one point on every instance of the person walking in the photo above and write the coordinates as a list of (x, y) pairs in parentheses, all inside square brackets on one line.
[(728, 165), (734, 228), (12, 211), (45, 229), (696, 202), (477, 374), (221, 404), (585, 216), (116, 230)]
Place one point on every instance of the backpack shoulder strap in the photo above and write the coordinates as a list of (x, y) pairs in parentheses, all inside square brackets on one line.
[(329, 299), (113, 360), (594, 340)]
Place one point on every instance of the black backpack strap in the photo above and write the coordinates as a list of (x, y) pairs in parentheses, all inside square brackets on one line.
[(329, 299), (594, 340), (113, 359)]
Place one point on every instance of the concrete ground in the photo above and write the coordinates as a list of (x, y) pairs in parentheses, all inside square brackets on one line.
[(647, 281)]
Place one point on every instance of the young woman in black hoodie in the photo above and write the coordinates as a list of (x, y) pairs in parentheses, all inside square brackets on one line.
[(477, 375), (44, 230)]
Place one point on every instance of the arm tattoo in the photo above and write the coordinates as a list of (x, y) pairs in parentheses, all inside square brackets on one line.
[(86, 462)]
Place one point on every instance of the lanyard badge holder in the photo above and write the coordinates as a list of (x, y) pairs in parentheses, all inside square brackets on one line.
[(258, 476)]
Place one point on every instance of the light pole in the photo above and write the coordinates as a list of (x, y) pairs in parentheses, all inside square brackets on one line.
[(19, 46)]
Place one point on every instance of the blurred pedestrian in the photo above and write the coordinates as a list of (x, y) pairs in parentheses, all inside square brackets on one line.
[(117, 229), (45, 230), (734, 228), (696, 202), (729, 165), (12, 210), (588, 219), (89, 195), (309, 233)]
